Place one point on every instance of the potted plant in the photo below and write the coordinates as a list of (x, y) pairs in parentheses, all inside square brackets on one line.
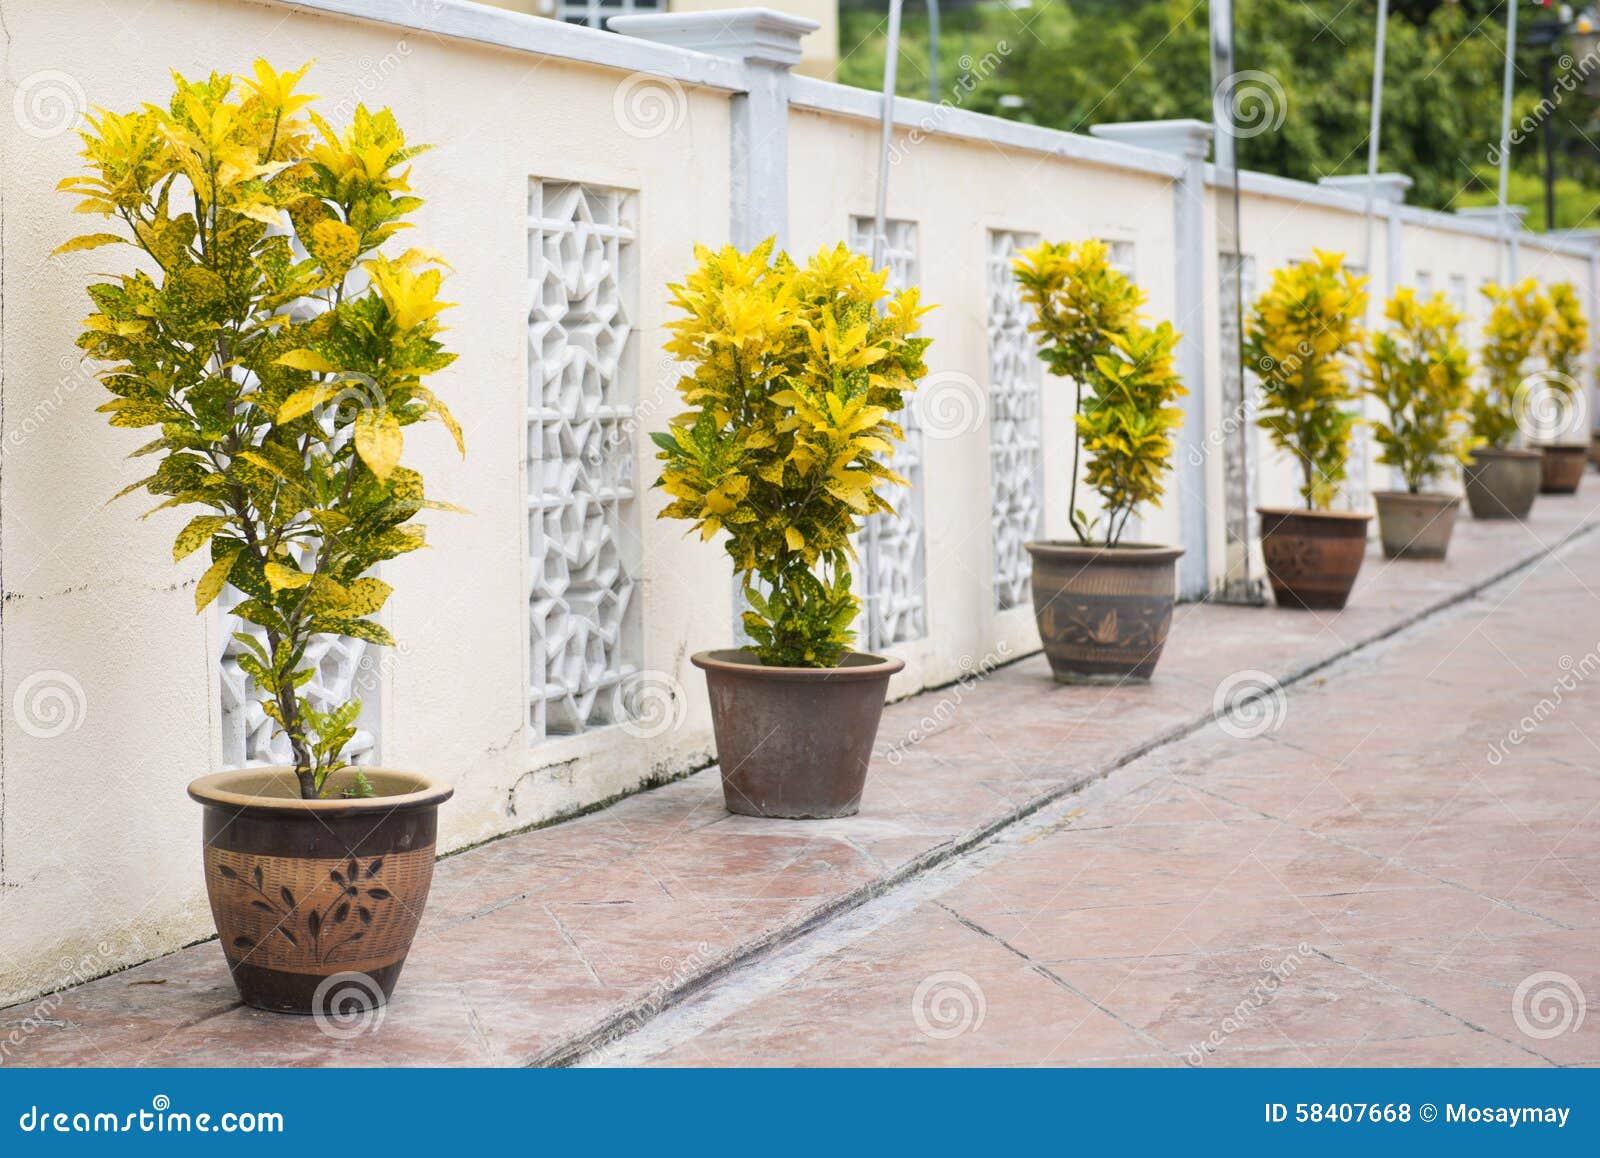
[(280, 358), (1501, 479), (1418, 370), (1104, 606), (795, 372), (1548, 401), (1297, 337)]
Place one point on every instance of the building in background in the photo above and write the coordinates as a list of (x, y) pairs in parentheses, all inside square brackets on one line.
[(819, 51)]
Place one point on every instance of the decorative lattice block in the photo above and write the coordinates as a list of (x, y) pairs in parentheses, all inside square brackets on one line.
[(1015, 459), (580, 455)]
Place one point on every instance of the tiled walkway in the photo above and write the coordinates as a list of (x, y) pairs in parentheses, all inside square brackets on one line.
[(1123, 925)]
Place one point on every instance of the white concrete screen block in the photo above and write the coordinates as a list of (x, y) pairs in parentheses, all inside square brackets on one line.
[(1015, 435)]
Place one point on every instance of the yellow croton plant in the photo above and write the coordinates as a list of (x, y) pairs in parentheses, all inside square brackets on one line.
[(794, 375), (277, 354)]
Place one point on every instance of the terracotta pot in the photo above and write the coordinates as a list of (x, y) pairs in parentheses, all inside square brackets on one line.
[(1103, 612), (1415, 526), (795, 742), (1561, 467), (1502, 484), (316, 901), (1313, 557)]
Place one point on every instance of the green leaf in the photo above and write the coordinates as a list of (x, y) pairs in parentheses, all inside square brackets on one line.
[(197, 534)]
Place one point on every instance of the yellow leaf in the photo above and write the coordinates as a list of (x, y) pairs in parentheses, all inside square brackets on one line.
[(307, 360), (196, 535), (285, 578), (302, 402), (796, 541), (379, 442), (215, 578), (87, 241)]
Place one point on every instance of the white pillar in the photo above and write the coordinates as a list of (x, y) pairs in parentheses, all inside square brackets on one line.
[(1189, 140), (767, 43)]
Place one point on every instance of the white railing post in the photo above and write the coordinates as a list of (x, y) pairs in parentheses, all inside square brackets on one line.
[(767, 43), (1189, 140)]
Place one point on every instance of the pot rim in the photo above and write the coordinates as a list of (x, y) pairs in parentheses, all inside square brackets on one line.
[(1430, 496), (223, 789), (1092, 552), (1308, 512), (1573, 447), (1504, 452), (727, 660)]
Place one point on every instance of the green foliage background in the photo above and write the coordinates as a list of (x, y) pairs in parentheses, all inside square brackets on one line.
[(1077, 63)]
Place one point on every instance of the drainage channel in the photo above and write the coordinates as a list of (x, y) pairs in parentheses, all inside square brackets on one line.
[(644, 1029)]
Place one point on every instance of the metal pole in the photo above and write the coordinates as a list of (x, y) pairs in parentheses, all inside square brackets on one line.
[(1374, 126), (1546, 83), (935, 95), (891, 65), (1508, 250)]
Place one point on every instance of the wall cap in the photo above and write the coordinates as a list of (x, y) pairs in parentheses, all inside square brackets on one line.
[(1389, 187), (1182, 137), (758, 35)]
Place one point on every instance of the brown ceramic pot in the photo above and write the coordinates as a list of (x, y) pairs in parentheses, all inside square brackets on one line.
[(795, 742), (1502, 484), (1313, 557), (1103, 612), (316, 901), (1415, 526), (1561, 467), (1594, 448)]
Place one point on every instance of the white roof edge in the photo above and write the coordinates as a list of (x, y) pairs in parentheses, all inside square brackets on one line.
[(949, 121), (519, 32)]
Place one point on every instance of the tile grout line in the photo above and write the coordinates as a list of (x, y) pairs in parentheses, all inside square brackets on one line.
[(629, 1018)]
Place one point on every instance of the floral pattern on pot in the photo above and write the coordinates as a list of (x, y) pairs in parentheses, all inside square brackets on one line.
[(303, 915)]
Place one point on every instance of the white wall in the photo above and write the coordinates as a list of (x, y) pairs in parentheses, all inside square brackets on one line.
[(98, 844)]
